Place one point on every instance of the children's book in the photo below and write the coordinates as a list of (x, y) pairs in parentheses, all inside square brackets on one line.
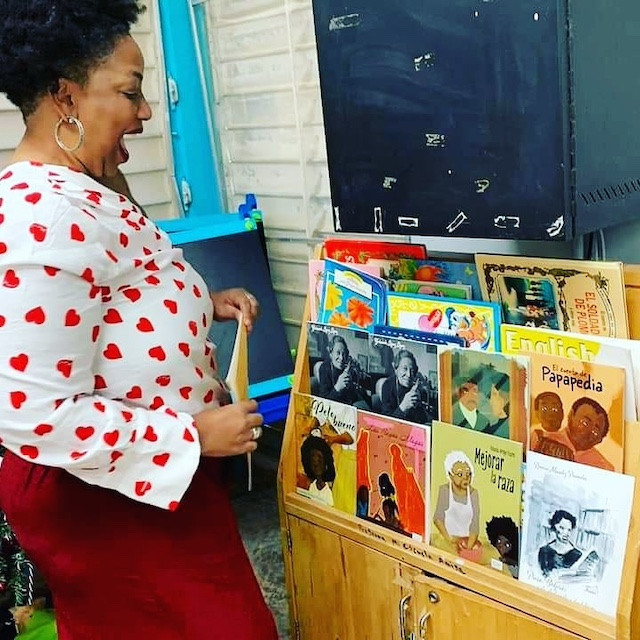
[(477, 323), (485, 392), (632, 295), (326, 434), (392, 471), (408, 390), (619, 352), (584, 296), (476, 496), (360, 251), (316, 281), (417, 335), (351, 298), (574, 531), (446, 289), (577, 410)]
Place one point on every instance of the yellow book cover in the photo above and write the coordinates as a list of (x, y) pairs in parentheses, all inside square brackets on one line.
[(476, 496), (577, 411), (584, 296)]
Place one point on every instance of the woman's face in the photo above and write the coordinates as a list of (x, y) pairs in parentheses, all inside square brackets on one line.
[(563, 530), (406, 371), (317, 463), (460, 475), (110, 105), (339, 355)]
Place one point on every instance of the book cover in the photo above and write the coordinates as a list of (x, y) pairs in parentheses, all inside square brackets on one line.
[(341, 364), (360, 251), (316, 281), (632, 296), (477, 323), (577, 410), (619, 352), (584, 296), (485, 392), (391, 474), (326, 434), (574, 530), (418, 336), (351, 298), (446, 289), (408, 390), (476, 496)]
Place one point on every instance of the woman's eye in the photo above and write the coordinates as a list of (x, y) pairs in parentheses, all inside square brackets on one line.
[(132, 95)]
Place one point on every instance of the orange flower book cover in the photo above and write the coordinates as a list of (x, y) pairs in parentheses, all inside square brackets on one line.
[(577, 411), (476, 496), (391, 474), (584, 296), (351, 298)]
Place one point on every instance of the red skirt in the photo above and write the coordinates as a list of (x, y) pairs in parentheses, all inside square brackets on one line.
[(121, 569)]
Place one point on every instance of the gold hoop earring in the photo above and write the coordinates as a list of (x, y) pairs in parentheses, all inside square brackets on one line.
[(69, 120)]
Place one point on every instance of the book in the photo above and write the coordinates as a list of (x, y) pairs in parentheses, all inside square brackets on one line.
[(574, 532), (326, 434), (584, 296), (417, 335), (632, 296), (391, 474), (577, 410), (476, 494), (360, 251), (446, 289), (615, 351), (486, 392), (477, 323), (351, 298)]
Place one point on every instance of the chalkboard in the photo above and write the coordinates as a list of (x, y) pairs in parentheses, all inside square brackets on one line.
[(446, 117)]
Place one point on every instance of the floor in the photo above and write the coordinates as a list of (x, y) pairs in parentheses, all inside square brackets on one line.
[(257, 513)]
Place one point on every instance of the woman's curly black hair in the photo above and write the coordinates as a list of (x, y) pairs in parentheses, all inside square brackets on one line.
[(316, 443), (42, 41)]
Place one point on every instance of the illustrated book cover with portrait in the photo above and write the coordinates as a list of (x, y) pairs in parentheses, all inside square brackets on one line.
[(477, 323), (351, 298), (574, 530), (620, 352), (361, 251), (326, 434), (583, 296), (391, 474), (408, 388), (444, 289), (486, 392), (577, 410), (476, 496)]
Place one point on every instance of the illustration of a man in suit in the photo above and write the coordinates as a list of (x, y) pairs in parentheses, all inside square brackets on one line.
[(465, 408)]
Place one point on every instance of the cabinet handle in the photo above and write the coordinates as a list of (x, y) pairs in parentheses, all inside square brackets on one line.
[(403, 606), (422, 625)]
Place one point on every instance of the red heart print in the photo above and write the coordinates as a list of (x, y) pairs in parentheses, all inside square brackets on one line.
[(179, 284), (29, 451), (84, 433), (171, 305), (134, 393), (144, 325), (163, 381), (111, 255), (51, 271), (157, 403), (3, 320), (100, 407), (157, 353), (6, 175), (33, 198), (173, 505), (142, 486), (111, 437), (199, 373), (132, 294), (133, 225), (10, 280), (161, 459), (116, 455), (3, 248), (193, 327), (94, 196), (71, 318), (146, 251), (178, 265), (20, 186), (35, 315), (185, 392), (150, 434), (152, 280), (64, 367), (204, 320), (184, 347), (171, 412), (127, 415), (95, 291), (76, 455), (43, 429), (87, 275), (188, 436), (208, 397), (124, 240), (112, 352), (196, 291), (19, 362), (38, 231), (76, 233), (112, 317), (95, 332), (18, 398), (137, 262), (134, 434)]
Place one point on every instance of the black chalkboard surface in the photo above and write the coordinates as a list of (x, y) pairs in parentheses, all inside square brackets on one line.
[(479, 118)]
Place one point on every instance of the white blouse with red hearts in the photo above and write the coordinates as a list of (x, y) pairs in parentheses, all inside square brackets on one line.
[(104, 356)]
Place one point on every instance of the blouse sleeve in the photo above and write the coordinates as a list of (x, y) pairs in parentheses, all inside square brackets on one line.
[(50, 410)]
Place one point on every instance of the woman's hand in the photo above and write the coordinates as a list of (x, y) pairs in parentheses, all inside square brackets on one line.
[(411, 399), (230, 304), (228, 430), (343, 381)]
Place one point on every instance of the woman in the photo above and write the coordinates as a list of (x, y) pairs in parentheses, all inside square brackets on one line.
[(560, 553), (317, 461), (402, 394), (339, 377), (113, 417)]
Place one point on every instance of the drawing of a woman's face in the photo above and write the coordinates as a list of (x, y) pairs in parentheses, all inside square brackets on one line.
[(318, 465), (460, 475), (563, 530)]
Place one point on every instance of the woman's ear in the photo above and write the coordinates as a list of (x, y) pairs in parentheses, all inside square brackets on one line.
[(64, 96)]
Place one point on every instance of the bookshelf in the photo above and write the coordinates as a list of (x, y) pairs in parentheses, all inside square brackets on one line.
[(352, 580)]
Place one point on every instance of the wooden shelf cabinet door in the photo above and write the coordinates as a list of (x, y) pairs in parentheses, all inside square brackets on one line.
[(442, 611)]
